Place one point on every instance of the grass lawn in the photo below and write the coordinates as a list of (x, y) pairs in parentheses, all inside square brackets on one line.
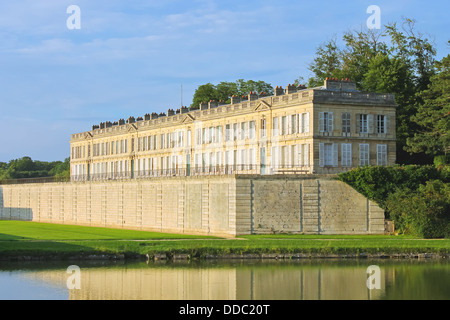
[(23, 230), (31, 238)]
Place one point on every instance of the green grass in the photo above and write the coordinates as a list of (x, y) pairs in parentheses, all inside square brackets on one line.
[(21, 230), (37, 239)]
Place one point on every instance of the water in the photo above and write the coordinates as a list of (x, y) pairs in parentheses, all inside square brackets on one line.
[(228, 280)]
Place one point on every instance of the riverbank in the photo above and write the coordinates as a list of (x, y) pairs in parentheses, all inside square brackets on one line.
[(34, 241)]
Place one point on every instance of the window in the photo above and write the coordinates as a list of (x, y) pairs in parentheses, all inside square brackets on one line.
[(346, 155), (283, 125), (162, 143), (328, 155), (381, 124), (243, 131), (218, 135), (363, 123), (275, 127), (381, 155), (252, 131), (211, 135), (235, 131), (263, 128), (363, 155), (304, 123), (204, 136), (294, 123), (326, 122), (227, 132), (346, 122)]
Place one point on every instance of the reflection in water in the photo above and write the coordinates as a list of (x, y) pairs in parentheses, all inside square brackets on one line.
[(245, 280)]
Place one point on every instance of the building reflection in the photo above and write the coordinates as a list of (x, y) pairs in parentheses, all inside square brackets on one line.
[(220, 282)]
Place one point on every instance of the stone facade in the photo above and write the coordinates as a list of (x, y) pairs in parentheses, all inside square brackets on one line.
[(214, 205), (323, 130)]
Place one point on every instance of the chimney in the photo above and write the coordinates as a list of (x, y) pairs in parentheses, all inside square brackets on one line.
[(332, 84), (252, 96), (154, 115), (184, 110), (131, 120), (348, 85), (235, 99), (121, 122), (204, 106), (170, 112), (212, 104), (147, 117), (291, 89), (279, 91)]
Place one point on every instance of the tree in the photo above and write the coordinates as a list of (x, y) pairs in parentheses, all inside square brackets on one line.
[(433, 116), (327, 63), (225, 90), (204, 93), (25, 167), (392, 60)]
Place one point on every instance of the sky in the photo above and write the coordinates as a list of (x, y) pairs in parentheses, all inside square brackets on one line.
[(129, 58)]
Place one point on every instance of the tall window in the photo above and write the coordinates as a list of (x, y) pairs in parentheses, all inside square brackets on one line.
[(252, 132), (275, 126), (381, 124), (283, 125), (294, 123), (346, 155), (381, 155), (328, 154), (363, 123), (243, 131), (263, 128), (346, 122), (326, 122), (227, 132), (303, 123), (363, 155)]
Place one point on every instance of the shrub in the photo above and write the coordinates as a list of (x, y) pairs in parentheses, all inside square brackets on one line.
[(424, 212), (377, 183)]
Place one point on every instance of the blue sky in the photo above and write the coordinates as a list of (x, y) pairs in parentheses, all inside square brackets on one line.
[(131, 57)]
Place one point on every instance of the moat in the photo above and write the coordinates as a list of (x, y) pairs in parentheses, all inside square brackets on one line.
[(227, 280)]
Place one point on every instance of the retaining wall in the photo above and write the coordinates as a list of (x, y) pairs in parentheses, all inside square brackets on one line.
[(222, 206)]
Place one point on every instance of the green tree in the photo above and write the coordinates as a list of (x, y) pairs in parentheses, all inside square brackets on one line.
[(204, 93), (392, 60), (225, 90), (327, 63), (433, 116), (391, 74)]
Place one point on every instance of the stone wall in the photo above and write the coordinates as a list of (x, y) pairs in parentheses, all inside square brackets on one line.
[(219, 205), (311, 205)]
